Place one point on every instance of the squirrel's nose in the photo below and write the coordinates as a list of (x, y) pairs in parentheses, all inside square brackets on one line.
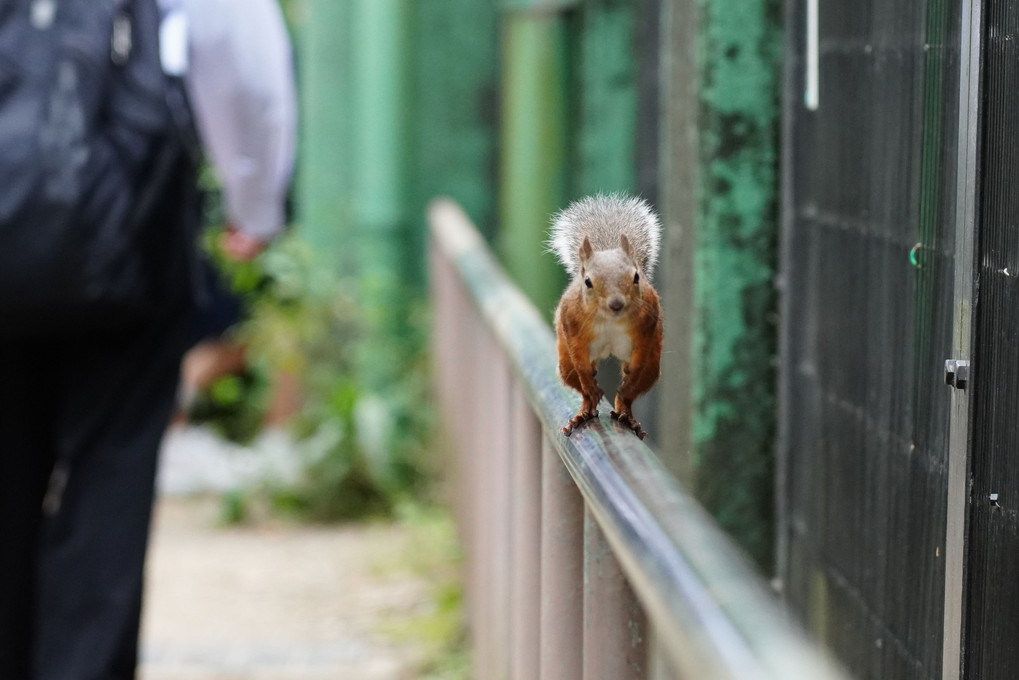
[(615, 304)]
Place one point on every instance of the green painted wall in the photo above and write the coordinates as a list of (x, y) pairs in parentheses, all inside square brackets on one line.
[(605, 96), (734, 331), (719, 194), (456, 106)]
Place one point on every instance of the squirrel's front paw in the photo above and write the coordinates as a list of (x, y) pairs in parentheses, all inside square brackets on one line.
[(579, 420), (627, 420)]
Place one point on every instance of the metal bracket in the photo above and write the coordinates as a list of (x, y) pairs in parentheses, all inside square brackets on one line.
[(957, 373)]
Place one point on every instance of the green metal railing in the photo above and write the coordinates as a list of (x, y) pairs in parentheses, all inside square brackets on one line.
[(586, 559)]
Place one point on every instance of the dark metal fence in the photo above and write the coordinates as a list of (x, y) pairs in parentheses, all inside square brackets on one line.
[(992, 613), (585, 558), (867, 278)]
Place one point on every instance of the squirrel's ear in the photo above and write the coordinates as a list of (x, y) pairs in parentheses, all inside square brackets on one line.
[(586, 251), (624, 243)]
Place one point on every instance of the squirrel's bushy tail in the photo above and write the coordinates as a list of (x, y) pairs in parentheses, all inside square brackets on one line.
[(603, 219)]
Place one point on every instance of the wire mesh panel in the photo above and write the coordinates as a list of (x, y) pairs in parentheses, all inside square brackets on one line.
[(993, 597), (867, 283)]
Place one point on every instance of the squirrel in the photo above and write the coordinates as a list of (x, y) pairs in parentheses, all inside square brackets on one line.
[(609, 246)]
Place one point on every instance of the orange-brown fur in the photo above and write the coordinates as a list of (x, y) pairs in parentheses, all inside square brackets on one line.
[(585, 319)]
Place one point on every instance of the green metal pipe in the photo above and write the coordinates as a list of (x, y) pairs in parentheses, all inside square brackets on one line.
[(354, 196), (322, 173), (378, 164), (379, 98), (533, 179)]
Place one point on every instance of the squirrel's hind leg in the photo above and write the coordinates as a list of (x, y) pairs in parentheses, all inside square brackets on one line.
[(636, 381)]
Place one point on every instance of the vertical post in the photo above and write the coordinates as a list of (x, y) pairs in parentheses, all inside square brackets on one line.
[(659, 665), (379, 101), (451, 352), (787, 206), (678, 204), (471, 366), (499, 449), (732, 209), (562, 536), (323, 196), (532, 173), (965, 240), (526, 586), (467, 469), (615, 627), (481, 459), (379, 90), (462, 360), (447, 337)]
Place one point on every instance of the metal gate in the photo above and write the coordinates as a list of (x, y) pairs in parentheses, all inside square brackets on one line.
[(899, 524)]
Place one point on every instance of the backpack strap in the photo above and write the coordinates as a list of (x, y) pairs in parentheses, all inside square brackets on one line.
[(173, 37)]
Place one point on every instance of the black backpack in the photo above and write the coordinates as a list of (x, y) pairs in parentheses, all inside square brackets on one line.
[(97, 191)]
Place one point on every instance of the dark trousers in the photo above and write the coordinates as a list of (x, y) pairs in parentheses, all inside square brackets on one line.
[(80, 426)]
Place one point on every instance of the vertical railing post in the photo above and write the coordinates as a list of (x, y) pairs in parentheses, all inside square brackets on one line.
[(659, 666), (615, 627), (562, 546), (452, 349), (526, 584), (480, 421), (498, 496), (469, 364)]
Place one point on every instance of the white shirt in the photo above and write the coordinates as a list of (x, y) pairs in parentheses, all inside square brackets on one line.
[(236, 61)]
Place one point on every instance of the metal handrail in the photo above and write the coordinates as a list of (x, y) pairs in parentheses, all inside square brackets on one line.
[(712, 613)]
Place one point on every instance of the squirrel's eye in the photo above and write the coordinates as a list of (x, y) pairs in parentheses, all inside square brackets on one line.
[(636, 277), (587, 282)]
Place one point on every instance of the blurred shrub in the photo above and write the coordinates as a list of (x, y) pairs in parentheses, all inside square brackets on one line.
[(361, 452), (234, 406)]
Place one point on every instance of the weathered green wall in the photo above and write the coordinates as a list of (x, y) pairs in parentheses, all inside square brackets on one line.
[(605, 96), (456, 106), (729, 243), (735, 341)]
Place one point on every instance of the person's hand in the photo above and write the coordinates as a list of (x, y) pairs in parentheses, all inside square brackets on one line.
[(239, 246)]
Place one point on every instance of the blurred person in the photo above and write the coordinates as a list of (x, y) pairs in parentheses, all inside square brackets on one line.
[(82, 414)]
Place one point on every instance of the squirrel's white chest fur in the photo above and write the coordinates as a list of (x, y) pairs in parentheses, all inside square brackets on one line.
[(610, 337)]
